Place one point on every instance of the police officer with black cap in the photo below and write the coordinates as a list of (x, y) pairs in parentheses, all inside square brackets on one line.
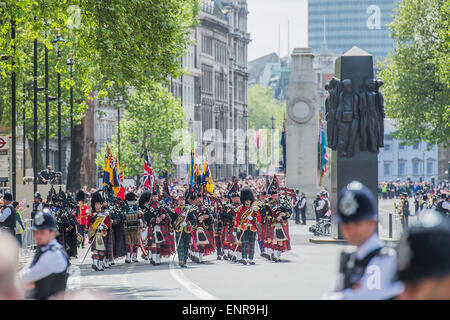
[(8, 214), (37, 204), (423, 258), (46, 276), (366, 273)]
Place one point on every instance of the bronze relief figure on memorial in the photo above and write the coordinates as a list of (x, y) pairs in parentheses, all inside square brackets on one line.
[(351, 115)]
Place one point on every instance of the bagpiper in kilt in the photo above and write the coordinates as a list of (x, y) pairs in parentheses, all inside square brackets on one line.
[(229, 232), (162, 241), (144, 206), (262, 227), (98, 225), (203, 241), (219, 211), (132, 224), (245, 223), (183, 219), (280, 211)]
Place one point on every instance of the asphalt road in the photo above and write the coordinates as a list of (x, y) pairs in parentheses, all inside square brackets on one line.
[(305, 272)]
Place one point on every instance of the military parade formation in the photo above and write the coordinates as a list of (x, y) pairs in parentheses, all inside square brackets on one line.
[(186, 222)]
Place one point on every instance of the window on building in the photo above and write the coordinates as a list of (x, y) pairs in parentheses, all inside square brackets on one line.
[(401, 146), (207, 79), (416, 168), (430, 167), (207, 45), (387, 168), (402, 168), (416, 146), (387, 147)]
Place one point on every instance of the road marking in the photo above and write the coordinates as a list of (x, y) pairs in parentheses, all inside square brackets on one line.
[(179, 276)]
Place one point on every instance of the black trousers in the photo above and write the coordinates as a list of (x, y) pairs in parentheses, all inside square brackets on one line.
[(248, 244), (218, 246), (303, 213), (297, 215)]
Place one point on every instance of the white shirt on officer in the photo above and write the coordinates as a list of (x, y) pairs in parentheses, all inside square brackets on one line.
[(51, 261), (376, 281)]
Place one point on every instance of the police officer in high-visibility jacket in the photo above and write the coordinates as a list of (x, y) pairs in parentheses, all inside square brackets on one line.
[(46, 276), (366, 273)]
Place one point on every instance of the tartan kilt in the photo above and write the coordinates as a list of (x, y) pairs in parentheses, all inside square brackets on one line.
[(167, 247), (209, 248), (229, 240), (109, 245), (266, 231), (119, 247), (286, 244)]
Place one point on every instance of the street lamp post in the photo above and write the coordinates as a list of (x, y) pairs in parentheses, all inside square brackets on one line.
[(56, 41), (273, 127), (70, 67), (35, 91), (13, 113), (47, 125), (216, 122)]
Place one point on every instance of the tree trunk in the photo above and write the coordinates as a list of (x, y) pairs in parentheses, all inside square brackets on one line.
[(73, 176)]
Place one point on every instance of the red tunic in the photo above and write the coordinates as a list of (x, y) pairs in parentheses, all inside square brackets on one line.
[(247, 224), (83, 214)]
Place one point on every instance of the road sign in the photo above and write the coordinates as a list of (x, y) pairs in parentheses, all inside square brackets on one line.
[(3, 143), (4, 157)]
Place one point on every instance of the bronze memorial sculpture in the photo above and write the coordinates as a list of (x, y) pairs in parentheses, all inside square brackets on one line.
[(352, 115)]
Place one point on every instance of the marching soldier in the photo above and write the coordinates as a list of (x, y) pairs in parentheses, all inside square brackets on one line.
[(46, 276), (83, 212), (423, 262), (162, 242), (133, 223), (183, 219), (146, 235), (367, 272), (99, 224), (279, 212), (245, 223), (203, 243)]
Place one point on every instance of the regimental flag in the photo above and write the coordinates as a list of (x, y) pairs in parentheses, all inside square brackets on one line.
[(149, 178), (283, 144), (323, 151), (206, 176), (190, 170), (197, 175), (110, 176), (121, 193)]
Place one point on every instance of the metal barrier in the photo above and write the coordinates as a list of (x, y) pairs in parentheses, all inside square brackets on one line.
[(28, 244)]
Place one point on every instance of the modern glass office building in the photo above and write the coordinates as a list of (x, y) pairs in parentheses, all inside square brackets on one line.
[(347, 23)]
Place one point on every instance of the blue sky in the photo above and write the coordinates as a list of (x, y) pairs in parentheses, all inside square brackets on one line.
[(263, 20)]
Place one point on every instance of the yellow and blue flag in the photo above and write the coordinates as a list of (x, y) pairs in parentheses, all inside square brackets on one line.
[(110, 176)]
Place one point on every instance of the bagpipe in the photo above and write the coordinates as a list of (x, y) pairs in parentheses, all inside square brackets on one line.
[(116, 207), (282, 206), (67, 210)]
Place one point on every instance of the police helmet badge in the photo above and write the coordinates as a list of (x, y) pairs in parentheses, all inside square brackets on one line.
[(348, 204), (39, 218)]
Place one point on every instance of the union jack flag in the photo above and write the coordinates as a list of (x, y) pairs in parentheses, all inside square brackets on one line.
[(149, 178)]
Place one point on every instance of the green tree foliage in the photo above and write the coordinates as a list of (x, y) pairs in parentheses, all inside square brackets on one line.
[(261, 107), (116, 44), (416, 75), (151, 119)]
